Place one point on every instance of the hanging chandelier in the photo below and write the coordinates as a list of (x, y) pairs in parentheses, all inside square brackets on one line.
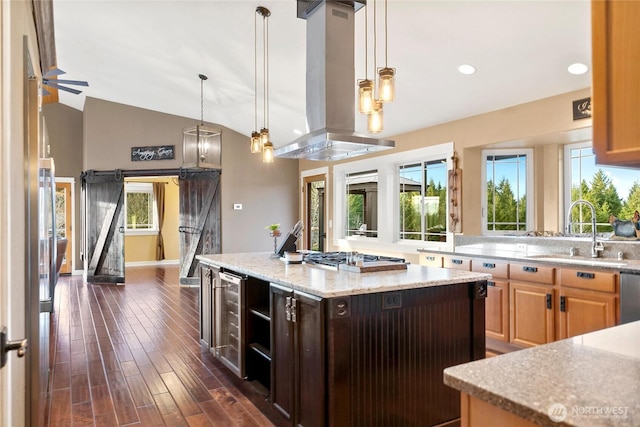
[(260, 140), (201, 144)]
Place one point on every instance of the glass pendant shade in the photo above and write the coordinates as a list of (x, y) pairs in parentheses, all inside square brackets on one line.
[(256, 146), (365, 96), (264, 137), (374, 124), (267, 153), (202, 147), (386, 84)]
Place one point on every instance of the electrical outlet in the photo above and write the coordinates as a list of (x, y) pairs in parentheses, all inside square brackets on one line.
[(237, 206)]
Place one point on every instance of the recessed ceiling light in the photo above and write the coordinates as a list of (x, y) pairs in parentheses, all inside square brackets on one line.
[(577, 68), (297, 131), (467, 69)]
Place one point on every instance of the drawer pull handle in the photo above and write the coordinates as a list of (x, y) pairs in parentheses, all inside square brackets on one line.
[(430, 258), (488, 265), (563, 304), (585, 275), (456, 261), (548, 301), (490, 283), (530, 269)]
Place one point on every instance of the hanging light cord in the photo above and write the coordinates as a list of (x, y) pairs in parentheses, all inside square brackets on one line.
[(375, 45), (366, 44), (255, 70), (385, 34), (202, 79), (266, 70)]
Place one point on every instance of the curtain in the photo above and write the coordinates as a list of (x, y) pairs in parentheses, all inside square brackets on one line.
[(158, 193)]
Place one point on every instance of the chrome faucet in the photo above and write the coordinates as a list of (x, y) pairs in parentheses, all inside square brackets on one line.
[(596, 247)]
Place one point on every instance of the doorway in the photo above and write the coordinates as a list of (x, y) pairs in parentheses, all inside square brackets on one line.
[(314, 194), (105, 220), (64, 220)]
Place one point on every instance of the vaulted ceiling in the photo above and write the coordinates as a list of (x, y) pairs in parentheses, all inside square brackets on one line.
[(148, 54)]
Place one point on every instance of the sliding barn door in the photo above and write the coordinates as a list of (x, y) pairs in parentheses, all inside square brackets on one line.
[(103, 231), (199, 221)]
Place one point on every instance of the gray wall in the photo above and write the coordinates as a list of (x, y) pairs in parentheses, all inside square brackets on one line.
[(64, 126), (268, 192)]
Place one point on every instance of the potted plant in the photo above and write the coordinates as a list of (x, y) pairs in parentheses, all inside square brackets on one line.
[(274, 230)]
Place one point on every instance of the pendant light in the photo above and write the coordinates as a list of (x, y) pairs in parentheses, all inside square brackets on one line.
[(374, 122), (260, 141), (255, 145), (386, 75), (201, 145), (365, 87)]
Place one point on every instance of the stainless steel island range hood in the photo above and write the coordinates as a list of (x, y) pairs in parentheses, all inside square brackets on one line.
[(330, 86)]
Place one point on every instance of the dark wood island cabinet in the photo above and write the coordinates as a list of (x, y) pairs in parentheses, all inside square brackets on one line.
[(362, 349)]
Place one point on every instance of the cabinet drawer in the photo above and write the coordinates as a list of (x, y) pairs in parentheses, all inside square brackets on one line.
[(588, 279), (456, 262), (533, 273), (431, 260), (499, 270)]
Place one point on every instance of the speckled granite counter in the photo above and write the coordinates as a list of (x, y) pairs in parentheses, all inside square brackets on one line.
[(328, 283), (596, 377)]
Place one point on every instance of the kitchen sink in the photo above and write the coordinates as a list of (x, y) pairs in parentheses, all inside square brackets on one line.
[(566, 259)]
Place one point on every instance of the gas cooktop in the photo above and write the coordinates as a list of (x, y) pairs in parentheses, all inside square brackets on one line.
[(334, 259)]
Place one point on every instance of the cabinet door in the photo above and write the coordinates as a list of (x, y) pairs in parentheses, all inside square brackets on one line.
[(206, 322), (497, 310), (585, 311), (531, 314), (281, 350), (615, 53), (309, 333)]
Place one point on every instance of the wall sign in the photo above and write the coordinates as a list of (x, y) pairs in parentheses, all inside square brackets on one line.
[(155, 152), (582, 108)]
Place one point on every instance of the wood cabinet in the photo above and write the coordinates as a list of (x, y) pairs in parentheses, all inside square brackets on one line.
[(587, 301), (615, 70), (298, 388), (258, 331), (497, 302), (531, 304)]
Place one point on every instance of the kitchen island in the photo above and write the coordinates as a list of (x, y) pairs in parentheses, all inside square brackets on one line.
[(348, 348), (588, 380)]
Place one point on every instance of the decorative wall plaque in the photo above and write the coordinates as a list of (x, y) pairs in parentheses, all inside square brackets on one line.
[(154, 152), (582, 108)]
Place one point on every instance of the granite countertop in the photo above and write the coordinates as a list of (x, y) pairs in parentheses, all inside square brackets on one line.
[(595, 376), (328, 283), (546, 257)]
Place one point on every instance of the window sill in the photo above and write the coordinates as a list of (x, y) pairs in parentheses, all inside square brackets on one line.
[(140, 232)]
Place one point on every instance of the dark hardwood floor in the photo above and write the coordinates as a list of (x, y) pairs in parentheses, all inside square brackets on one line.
[(130, 355)]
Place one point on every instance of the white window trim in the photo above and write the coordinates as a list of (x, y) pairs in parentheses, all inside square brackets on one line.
[(530, 199), (388, 200), (567, 177), (140, 187)]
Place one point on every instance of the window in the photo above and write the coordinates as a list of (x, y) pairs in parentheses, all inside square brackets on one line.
[(612, 190), (396, 202), (423, 200), (140, 208), (362, 204), (507, 180)]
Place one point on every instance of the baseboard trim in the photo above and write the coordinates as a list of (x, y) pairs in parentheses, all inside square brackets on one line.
[(152, 263)]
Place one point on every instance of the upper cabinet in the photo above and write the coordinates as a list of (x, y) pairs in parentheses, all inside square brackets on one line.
[(616, 86)]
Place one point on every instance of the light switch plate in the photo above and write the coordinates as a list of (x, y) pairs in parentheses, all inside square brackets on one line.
[(237, 206)]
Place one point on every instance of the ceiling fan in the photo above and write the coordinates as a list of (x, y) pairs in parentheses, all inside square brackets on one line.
[(50, 79)]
